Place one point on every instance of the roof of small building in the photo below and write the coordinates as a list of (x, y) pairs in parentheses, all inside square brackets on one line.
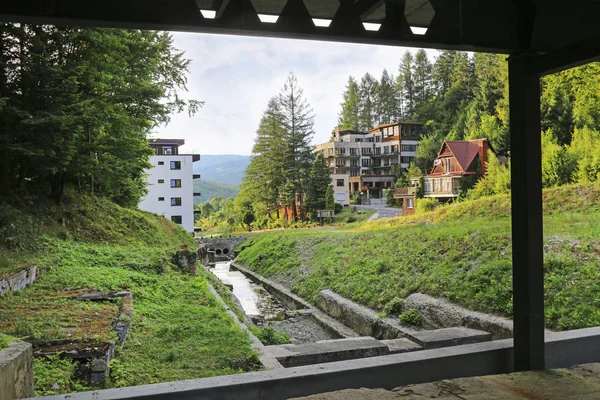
[(167, 142)]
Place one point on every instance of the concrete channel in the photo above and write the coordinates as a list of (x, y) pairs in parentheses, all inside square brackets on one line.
[(346, 330)]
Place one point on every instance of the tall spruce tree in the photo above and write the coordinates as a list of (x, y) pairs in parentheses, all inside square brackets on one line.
[(406, 76), (264, 175), (297, 119), (422, 78), (386, 99), (349, 116), (367, 91)]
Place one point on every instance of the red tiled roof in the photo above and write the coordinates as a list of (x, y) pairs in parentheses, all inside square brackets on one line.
[(464, 151)]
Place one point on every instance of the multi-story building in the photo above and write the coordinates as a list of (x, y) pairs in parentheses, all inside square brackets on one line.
[(361, 162), (171, 183)]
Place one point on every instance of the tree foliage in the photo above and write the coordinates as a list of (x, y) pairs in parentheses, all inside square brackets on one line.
[(78, 104)]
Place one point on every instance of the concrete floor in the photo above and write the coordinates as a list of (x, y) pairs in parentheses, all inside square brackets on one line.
[(581, 382)]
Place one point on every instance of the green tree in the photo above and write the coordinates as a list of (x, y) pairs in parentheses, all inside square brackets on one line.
[(558, 165), (496, 180), (367, 92), (297, 120), (386, 107), (349, 116), (407, 79), (329, 202), (319, 182), (422, 78)]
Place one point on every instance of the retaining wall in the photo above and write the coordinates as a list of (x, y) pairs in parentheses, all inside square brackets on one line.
[(18, 281), (563, 350), (438, 313), (16, 371), (362, 319)]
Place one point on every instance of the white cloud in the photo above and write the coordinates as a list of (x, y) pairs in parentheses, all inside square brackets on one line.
[(237, 75)]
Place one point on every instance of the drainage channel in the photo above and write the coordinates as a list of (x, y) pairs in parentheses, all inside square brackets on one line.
[(265, 310)]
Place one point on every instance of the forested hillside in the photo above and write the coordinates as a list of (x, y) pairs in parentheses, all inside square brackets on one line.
[(460, 96), (227, 168), (210, 190)]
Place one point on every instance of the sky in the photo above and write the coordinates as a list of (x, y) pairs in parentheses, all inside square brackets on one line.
[(237, 75)]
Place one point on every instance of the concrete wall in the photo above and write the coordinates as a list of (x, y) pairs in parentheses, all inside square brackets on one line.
[(16, 371), (151, 203), (18, 281), (563, 350), (438, 313)]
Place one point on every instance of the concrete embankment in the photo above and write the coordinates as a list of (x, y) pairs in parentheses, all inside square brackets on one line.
[(16, 371), (438, 313)]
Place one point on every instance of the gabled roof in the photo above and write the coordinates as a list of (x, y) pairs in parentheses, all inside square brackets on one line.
[(464, 151)]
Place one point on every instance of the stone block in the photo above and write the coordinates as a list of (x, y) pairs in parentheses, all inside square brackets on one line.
[(449, 337), (401, 345), (293, 355), (16, 371), (98, 365)]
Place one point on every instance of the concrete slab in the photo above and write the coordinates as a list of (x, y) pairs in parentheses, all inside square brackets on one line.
[(401, 345), (581, 382), (325, 351), (445, 337)]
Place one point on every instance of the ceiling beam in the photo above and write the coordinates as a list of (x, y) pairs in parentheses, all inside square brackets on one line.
[(568, 57)]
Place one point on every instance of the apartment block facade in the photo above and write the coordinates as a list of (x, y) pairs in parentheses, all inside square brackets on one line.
[(171, 183), (361, 162)]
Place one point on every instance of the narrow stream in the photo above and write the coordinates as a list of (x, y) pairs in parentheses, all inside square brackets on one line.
[(264, 309)]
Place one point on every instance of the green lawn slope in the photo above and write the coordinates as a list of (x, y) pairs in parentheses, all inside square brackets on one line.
[(179, 331), (461, 251)]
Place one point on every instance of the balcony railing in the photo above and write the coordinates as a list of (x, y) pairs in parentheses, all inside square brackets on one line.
[(405, 191)]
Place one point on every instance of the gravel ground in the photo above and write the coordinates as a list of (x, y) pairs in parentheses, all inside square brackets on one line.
[(301, 329)]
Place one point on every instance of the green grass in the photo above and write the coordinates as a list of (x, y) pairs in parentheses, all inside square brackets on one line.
[(6, 340), (179, 330), (461, 251)]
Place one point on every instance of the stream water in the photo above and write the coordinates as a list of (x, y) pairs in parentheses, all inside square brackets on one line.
[(255, 301), (264, 309)]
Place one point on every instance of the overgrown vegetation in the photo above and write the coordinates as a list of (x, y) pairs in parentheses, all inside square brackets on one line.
[(269, 335), (179, 331), (461, 251), (411, 317)]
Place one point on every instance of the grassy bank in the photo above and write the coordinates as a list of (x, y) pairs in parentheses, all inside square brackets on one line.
[(461, 251), (178, 331)]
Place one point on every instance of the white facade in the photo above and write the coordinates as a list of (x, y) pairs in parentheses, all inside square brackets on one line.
[(171, 190), (341, 189)]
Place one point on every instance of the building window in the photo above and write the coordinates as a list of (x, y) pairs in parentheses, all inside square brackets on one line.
[(409, 202), (161, 199), (340, 183), (353, 152), (168, 150), (409, 147), (176, 219), (175, 201), (340, 197), (175, 164), (175, 183), (161, 163), (447, 165), (353, 173), (161, 181), (406, 160)]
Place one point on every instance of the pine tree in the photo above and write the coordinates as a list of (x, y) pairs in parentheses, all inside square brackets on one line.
[(422, 78), (349, 116), (367, 90), (297, 119), (406, 76), (386, 99), (319, 182), (329, 202), (264, 175)]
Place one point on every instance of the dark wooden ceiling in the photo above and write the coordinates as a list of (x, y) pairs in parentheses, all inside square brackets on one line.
[(502, 26)]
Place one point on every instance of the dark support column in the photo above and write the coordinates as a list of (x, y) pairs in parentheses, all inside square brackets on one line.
[(527, 233)]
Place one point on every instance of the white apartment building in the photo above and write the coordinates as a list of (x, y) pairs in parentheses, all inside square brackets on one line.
[(361, 162), (171, 183)]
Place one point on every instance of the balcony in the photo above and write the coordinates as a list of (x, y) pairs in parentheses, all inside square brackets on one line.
[(196, 176), (405, 191), (196, 194)]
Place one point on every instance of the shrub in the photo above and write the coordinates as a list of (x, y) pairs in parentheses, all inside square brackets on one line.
[(394, 306), (338, 208), (270, 336), (426, 204), (350, 219), (5, 340), (411, 317)]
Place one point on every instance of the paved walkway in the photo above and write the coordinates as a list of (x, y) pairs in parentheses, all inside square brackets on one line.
[(381, 212), (581, 382)]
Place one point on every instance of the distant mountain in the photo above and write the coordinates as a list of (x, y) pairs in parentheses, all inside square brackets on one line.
[(227, 168), (209, 190)]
